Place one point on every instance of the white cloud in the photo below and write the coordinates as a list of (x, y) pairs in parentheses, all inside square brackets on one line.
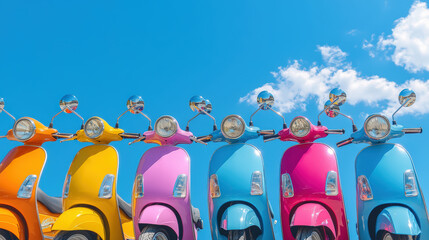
[(409, 39), (332, 55), (352, 32), (295, 86)]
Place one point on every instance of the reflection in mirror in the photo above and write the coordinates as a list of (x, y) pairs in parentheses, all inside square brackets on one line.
[(407, 97), (1, 104), (196, 103), (69, 103), (135, 104), (337, 96), (265, 100), (208, 106), (332, 110)]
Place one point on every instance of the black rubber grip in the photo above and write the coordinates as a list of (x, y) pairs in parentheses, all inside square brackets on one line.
[(206, 138), (268, 137), (345, 142)]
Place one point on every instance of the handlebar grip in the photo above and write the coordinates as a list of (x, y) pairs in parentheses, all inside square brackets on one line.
[(206, 138), (130, 135), (345, 142), (412, 130), (266, 132), (335, 131), (270, 137)]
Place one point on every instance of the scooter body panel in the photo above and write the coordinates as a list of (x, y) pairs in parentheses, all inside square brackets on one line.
[(238, 217), (81, 218), (162, 165), (160, 215), (312, 215), (18, 164), (10, 222), (234, 165), (384, 166), (391, 219), (88, 170), (308, 165)]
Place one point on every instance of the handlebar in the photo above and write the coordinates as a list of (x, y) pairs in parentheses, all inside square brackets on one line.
[(335, 131), (412, 130), (266, 132), (62, 135), (206, 138), (130, 135), (142, 138), (194, 139), (345, 142), (268, 138)]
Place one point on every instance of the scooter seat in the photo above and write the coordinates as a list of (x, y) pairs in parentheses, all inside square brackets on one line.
[(196, 218), (53, 204), (125, 207)]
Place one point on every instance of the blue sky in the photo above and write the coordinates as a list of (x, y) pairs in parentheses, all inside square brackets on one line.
[(167, 51)]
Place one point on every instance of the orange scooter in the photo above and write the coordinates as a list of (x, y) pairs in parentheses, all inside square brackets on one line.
[(26, 212)]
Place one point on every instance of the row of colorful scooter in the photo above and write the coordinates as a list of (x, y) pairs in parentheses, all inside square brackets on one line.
[(390, 204)]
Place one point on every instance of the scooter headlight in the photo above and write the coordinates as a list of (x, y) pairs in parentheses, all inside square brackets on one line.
[(139, 186), (94, 127), (377, 127), (300, 127), (287, 186), (24, 129), (410, 184), (27, 186), (180, 186), (106, 187), (365, 191), (233, 126), (257, 187), (166, 126), (214, 186)]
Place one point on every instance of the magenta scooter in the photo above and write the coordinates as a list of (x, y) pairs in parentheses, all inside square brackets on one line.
[(162, 207), (311, 200)]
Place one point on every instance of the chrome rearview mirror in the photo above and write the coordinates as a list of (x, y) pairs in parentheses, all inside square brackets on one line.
[(2, 109), (337, 96), (331, 110), (265, 101), (407, 98), (202, 106), (135, 105), (68, 104)]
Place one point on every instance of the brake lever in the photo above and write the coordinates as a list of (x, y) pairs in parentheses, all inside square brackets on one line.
[(197, 140), (72, 137), (142, 138)]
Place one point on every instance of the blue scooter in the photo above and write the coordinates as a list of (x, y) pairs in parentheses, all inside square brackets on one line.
[(238, 204), (390, 204)]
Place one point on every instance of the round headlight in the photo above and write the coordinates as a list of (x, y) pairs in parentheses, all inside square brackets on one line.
[(377, 127), (300, 127), (233, 126), (94, 127), (166, 126), (24, 129)]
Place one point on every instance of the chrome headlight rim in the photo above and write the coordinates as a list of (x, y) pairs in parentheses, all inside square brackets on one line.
[(168, 117), (240, 119), (296, 119), (371, 117), (33, 125), (102, 127)]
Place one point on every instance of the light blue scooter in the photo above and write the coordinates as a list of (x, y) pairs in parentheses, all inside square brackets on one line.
[(390, 204), (238, 204)]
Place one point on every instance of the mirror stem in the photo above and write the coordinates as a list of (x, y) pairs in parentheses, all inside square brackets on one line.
[(51, 125), (284, 121), (10, 115), (75, 113), (214, 120), (393, 115), (150, 121), (353, 123), (187, 125), (251, 116), (117, 121)]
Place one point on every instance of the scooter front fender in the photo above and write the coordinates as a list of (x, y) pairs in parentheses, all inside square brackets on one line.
[(239, 217), (10, 223), (80, 218), (398, 220), (161, 216), (314, 215)]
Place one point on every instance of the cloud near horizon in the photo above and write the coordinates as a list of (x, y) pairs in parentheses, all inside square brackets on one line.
[(295, 86)]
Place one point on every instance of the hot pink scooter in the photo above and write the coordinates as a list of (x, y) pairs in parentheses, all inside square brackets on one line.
[(311, 202), (162, 207)]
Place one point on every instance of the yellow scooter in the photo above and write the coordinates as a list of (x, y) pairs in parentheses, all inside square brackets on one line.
[(92, 208)]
